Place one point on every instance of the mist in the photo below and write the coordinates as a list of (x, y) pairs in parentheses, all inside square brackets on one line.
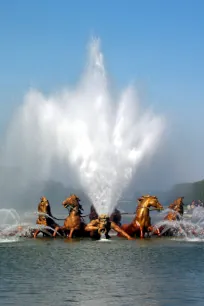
[(86, 139)]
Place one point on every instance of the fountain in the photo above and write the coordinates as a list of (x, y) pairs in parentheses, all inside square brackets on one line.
[(8, 218), (89, 136), (188, 229), (85, 135), (11, 225)]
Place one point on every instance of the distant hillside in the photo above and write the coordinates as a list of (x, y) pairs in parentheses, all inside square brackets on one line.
[(190, 191), (57, 192), (26, 200), (12, 196)]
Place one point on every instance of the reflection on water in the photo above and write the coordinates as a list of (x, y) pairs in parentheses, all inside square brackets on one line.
[(157, 271)]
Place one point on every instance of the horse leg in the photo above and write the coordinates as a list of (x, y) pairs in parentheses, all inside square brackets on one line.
[(155, 230), (141, 233), (61, 233), (57, 228), (158, 232), (71, 232), (36, 232), (150, 229)]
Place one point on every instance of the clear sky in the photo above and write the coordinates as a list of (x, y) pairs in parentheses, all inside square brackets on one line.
[(158, 44)]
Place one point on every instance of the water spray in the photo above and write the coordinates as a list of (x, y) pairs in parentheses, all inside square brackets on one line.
[(85, 136)]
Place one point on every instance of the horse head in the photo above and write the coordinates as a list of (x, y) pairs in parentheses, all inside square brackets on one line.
[(149, 201), (72, 202), (177, 205), (140, 199), (44, 206)]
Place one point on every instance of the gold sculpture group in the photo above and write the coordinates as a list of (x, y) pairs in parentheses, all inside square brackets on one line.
[(75, 226)]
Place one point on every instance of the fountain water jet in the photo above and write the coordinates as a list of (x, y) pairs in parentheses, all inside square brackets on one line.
[(85, 133), (8, 218), (10, 223)]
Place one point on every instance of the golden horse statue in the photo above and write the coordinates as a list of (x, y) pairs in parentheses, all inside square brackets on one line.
[(45, 216), (176, 210), (141, 224), (73, 224), (103, 225), (175, 214)]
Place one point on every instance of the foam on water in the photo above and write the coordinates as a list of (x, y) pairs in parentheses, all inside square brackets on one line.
[(189, 230), (104, 240), (9, 240), (187, 239), (13, 226), (9, 221), (85, 134)]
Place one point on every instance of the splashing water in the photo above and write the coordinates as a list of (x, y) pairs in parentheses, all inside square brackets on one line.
[(13, 226), (189, 230), (84, 134), (103, 238), (8, 217), (9, 222)]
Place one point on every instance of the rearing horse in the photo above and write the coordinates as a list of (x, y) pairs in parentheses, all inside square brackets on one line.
[(45, 216), (175, 214), (176, 210), (73, 222), (141, 224)]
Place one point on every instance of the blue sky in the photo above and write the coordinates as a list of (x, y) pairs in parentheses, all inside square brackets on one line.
[(157, 44)]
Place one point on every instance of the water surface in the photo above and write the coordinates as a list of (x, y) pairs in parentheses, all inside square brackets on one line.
[(157, 271)]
